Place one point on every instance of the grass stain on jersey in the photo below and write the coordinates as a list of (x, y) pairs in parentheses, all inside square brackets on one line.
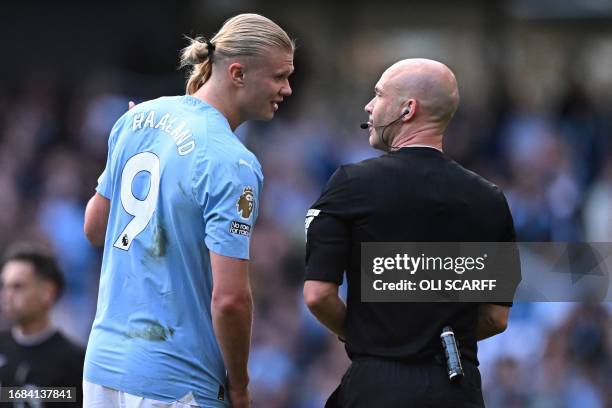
[(152, 331), (160, 242)]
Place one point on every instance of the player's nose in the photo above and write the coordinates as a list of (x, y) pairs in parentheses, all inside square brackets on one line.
[(286, 89)]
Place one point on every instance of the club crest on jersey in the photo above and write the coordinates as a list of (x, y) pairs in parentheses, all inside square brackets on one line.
[(246, 203)]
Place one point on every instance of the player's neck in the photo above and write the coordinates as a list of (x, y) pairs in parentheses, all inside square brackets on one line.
[(213, 96)]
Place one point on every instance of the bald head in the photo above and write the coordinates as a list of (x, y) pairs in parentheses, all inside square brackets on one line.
[(431, 83)]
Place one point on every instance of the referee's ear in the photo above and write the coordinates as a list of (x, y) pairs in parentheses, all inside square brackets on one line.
[(409, 110)]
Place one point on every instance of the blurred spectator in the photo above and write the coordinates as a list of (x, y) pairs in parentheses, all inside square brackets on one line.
[(510, 388), (34, 354), (597, 214)]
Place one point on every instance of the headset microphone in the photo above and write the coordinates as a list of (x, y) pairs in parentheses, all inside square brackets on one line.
[(365, 125)]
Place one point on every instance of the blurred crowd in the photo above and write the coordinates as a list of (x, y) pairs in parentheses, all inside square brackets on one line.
[(538, 124)]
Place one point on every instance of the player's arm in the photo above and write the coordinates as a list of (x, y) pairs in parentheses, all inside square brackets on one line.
[(327, 254), (98, 207), (492, 320), (324, 303), (96, 219), (232, 315)]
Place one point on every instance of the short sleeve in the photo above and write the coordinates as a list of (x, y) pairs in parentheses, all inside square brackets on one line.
[(228, 193), (509, 235), (105, 182), (328, 232)]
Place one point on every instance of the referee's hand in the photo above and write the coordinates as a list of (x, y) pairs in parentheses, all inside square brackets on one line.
[(240, 398)]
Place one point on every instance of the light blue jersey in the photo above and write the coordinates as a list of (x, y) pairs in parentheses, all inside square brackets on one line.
[(180, 184)]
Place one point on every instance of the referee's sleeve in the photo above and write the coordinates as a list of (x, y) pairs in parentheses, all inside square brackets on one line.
[(514, 268), (327, 249), (328, 232)]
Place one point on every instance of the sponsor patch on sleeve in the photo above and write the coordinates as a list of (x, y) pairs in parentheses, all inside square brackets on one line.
[(310, 215), (246, 203), (240, 228)]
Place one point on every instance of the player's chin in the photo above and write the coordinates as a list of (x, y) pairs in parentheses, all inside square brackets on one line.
[(268, 115)]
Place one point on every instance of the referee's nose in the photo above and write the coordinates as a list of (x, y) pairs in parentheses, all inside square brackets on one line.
[(368, 107)]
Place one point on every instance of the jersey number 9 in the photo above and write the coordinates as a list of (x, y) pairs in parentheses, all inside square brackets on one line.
[(142, 210)]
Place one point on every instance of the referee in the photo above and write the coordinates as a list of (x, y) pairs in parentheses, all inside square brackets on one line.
[(414, 193)]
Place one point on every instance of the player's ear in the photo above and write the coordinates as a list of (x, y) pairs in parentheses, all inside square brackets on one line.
[(236, 73)]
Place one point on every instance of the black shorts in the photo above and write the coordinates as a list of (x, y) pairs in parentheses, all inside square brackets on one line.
[(372, 382)]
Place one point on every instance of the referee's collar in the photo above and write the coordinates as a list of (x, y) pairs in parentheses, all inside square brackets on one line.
[(419, 147)]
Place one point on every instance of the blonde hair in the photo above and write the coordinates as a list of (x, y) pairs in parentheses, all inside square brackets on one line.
[(242, 35)]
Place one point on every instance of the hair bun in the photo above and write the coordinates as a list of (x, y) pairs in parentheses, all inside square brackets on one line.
[(196, 52)]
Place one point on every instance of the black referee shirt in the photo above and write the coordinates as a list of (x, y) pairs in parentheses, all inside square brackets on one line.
[(415, 194)]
